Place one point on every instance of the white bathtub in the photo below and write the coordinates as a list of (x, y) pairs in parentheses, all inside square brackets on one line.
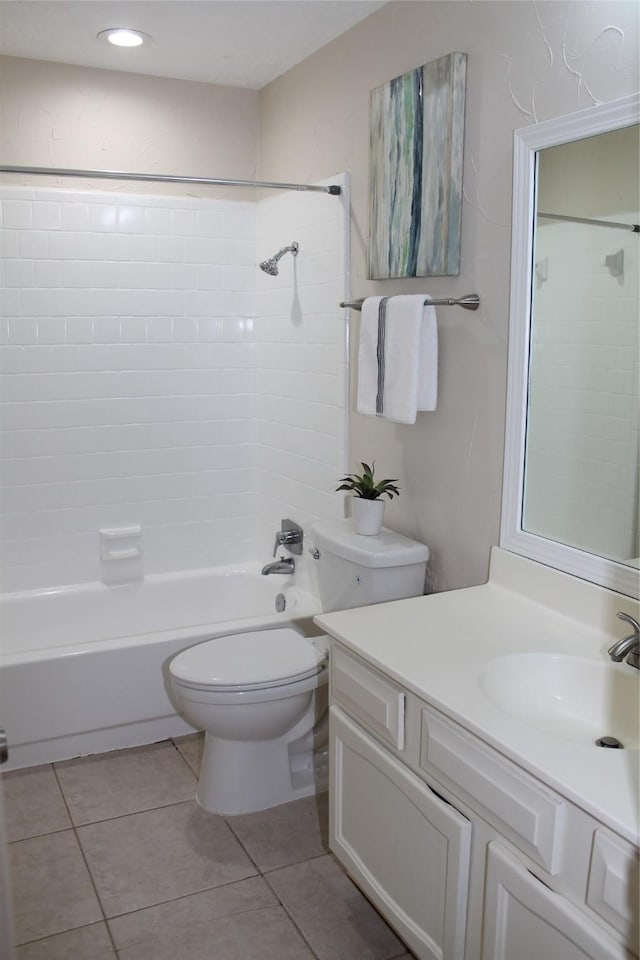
[(84, 669)]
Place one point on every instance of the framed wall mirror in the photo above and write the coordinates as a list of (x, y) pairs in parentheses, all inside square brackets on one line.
[(571, 479)]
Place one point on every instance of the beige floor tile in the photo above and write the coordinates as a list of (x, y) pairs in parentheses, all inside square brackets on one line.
[(240, 921), (52, 890), (286, 834), (191, 749), (334, 917), (158, 855), (125, 781), (85, 943), (33, 803)]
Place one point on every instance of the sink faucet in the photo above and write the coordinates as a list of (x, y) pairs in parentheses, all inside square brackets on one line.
[(283, 565), (628, 647)]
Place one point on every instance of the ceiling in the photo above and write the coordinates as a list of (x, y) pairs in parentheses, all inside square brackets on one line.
[(239, 43)]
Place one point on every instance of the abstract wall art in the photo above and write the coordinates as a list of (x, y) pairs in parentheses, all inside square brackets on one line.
[(416, 155)]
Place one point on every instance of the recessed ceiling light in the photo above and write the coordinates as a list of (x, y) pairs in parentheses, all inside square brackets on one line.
[(123, 36)]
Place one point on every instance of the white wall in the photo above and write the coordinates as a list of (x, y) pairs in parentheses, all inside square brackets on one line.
[(526, 61), (128, 382), (301, 359), (56, 115), (136, 330)]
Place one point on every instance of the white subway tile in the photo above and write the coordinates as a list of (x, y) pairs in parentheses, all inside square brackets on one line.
[(51, 330), (171, 250), (23, 330), (47, 216), (133, 330), (11, 359), (8, 244), (183, 276), (33, 244), (106, 329), (74, 216), (131, 219), (103, 217), (17, 214), (184, 329), (238, 328), (157, 221), (184, 223), (10, 302), (197, 250), (208, 223), (18, 273)]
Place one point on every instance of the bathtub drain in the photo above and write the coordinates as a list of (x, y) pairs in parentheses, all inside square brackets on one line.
[(612, 743), (280, 603)]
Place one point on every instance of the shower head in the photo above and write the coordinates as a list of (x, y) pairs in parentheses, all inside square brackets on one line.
[(270, 266)]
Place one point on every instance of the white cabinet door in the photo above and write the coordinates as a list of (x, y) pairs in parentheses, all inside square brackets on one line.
[(525, 920), (403, 845)]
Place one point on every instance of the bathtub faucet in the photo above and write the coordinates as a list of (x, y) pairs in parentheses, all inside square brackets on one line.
[(283, 565)]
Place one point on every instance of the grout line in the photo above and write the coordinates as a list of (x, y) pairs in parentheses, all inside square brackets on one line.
[(86, 862), (289, 915), (192, 769), (124, 816), (60, 933), (195, 893), (263, 875)]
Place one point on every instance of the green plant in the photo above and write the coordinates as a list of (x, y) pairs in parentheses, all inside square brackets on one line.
[(363, 484)]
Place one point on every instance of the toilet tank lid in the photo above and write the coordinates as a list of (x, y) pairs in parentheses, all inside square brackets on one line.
[(387, 549)]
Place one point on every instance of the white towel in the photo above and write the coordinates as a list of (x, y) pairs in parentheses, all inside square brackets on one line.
[(397, 358)]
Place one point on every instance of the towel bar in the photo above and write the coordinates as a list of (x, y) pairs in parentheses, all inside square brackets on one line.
[(470, 302)]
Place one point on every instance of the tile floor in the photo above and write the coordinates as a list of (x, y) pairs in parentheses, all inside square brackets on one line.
[(112, 858)]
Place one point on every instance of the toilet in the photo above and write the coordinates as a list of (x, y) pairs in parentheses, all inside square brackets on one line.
[(261, 697)]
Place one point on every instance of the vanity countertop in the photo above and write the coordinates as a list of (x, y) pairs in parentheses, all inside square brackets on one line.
[(436, 646)]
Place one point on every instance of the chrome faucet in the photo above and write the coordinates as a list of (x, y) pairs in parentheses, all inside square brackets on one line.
[(289, 536), (284, 565), (628, 647)]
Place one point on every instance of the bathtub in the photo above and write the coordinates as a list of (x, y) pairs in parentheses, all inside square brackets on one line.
[(84, 669)]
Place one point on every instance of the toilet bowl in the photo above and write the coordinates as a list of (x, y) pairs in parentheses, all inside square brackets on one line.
[(261, 697), (258, 697)]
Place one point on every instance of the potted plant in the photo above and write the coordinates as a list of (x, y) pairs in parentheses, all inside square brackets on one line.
[(367, 506)]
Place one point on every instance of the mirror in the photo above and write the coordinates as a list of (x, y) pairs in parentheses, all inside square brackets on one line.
[(571, 459)]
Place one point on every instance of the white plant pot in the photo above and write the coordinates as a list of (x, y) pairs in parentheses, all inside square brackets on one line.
[(367, 515)]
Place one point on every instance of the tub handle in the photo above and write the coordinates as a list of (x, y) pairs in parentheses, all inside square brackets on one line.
[(4, 747)]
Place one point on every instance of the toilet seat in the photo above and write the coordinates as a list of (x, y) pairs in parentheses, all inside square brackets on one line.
[(258, 660)]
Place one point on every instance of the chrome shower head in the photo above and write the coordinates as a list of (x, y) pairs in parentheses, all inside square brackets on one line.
[(270, 266)]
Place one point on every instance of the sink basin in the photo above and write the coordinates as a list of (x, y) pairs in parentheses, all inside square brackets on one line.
[(570, 697)]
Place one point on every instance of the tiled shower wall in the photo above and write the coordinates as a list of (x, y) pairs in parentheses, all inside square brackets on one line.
[(128, 382), (301, 360), (582, 487)]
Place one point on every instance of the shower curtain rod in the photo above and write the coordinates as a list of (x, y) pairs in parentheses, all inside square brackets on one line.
[(633, 227), (333, 188)]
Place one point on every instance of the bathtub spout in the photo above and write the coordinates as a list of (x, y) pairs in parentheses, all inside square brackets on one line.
[(283, 565)]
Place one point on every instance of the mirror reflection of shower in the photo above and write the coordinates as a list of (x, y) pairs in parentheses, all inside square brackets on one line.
[(270, 266)]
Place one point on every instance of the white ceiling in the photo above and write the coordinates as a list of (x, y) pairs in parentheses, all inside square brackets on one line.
[(240, 43)]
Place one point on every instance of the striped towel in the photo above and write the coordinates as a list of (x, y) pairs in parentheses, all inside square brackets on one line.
[(397, 358)]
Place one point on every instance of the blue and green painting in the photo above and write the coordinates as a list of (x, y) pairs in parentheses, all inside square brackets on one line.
[(417, 138)]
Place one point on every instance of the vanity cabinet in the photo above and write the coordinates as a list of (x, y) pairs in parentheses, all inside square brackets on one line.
[(523, 918), (467, 855), (405, 846)]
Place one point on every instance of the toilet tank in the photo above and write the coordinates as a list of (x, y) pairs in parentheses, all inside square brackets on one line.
[(355, 570)]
